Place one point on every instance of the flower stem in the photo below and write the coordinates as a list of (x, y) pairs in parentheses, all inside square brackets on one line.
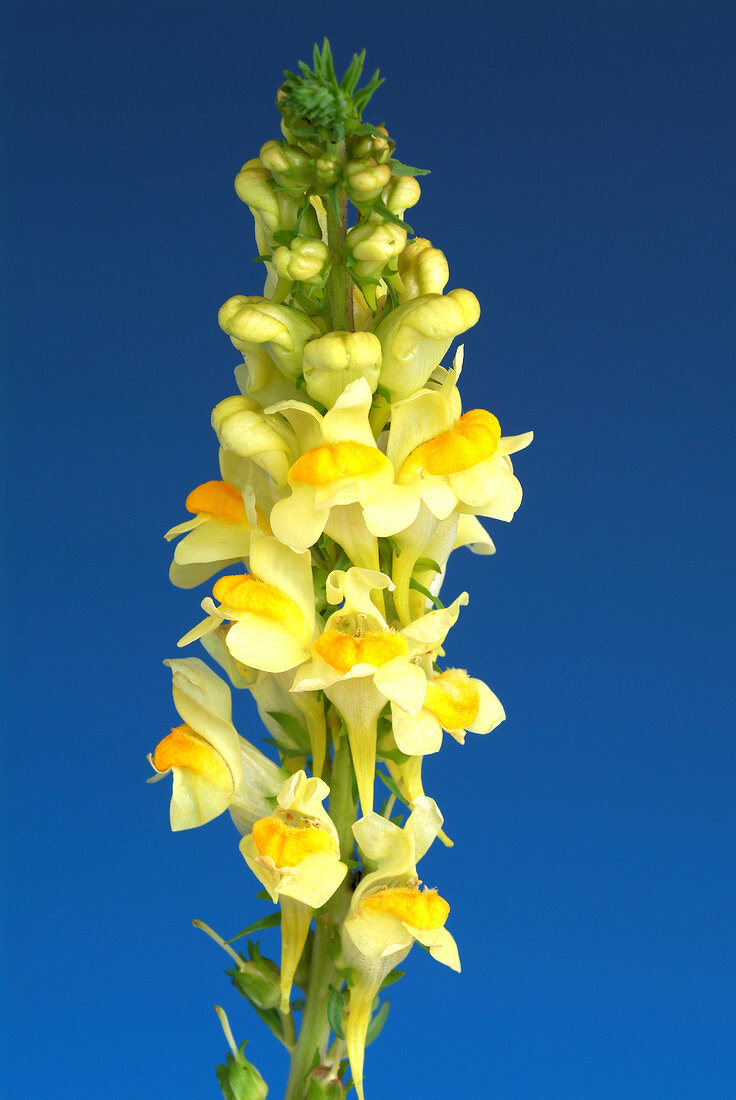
[(339, 283)]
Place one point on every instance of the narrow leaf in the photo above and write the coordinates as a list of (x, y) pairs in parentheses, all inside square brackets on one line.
[(376, 1024), (425, 592), (265, 922)]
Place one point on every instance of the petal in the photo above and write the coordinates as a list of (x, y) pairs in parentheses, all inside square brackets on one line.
[(416, 735), (265, 644), (213, 541), (490, 710), (296, 522), (403, 683), (390, 510)]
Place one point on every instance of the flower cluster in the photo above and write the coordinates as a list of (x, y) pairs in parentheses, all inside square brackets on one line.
[(348, 473)]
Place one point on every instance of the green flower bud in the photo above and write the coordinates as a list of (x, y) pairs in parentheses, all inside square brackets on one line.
[(328, 170), (302, 261), (372, 245), (323, 1085), (240, 1080), (292, 168), (378, 146), (365, 179), (258, 980)]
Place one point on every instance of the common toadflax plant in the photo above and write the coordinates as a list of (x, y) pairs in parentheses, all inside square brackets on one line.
[(348, 475)]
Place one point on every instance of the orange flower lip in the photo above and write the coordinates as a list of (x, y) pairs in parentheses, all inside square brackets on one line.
[(472, 439), (333, 461), (184, 748), (245, 593), (219, 499), (343, 651), (288, 845), (453, 698), (419, 908)]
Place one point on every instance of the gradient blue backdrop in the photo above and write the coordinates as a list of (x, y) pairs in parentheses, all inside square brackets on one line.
[(582, 179)]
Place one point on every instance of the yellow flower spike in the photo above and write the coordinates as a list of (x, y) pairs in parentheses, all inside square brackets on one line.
[(331, 362), (415, 336), (423, 270)]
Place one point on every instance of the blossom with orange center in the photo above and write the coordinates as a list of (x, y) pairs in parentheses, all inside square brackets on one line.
[(217, 536), (271, 609)]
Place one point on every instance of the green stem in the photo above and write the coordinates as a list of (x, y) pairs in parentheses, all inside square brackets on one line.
[(314, 1032), (339, 283)]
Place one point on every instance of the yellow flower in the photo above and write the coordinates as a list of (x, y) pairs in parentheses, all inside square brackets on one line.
[(453, 701), (361, 664), (388, 913), (214, 769), (454, 461), (217, 536), (341, 482), (295, 853), (271, 608)]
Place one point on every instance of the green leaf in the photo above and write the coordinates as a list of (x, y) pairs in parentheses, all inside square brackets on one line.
[(425, 592), (391, 977), (263, 895), (335, 1010), (334, 200), (284, 236), (293, 729), (376, 1024), (389, 782), (428, 563), (399, 169), (384, 393), (265, 922), (388, 215)]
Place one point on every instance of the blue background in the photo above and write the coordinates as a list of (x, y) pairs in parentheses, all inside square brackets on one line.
[(582, 158)]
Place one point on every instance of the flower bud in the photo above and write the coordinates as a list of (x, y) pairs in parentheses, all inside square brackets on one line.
[(331, 362), (283, 331), (328, 170), (242, 428), (416, 335), (378, 146), (302, 261), (254, 186), (423, 269), (365, 179), (292, 168), (323, 1085), (258, 979), (401, 193), (373, 244)]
